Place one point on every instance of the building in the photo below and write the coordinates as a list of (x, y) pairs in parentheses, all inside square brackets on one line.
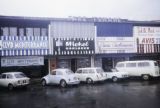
[(38, 45)]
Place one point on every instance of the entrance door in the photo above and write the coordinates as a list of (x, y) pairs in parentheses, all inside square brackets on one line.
[(73, 65)]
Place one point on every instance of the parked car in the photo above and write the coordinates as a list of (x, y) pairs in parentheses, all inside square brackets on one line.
[(91, 74), (62, 77), (14, 79), (139, 68), (116, 75)]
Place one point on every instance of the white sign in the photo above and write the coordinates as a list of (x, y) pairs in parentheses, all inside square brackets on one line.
[(25, 44), (146, 31), (22, 61), (148, 40), (115, 45)]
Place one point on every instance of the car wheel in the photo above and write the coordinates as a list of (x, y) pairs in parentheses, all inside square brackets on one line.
[(89, 81), (114, 79), (63, 83), (43, 82), (145, 77), (10, 87)]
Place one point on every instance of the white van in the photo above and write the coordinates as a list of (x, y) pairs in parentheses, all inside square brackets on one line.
[(142, 68)]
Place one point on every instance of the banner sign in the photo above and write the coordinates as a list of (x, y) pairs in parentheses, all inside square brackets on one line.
[(73, 46), (22, 45), (148, 39), (15, 42), (115, 45), (22, 61), (146, 31)]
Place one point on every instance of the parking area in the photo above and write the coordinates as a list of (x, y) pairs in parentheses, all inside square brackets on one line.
[(132, 93)]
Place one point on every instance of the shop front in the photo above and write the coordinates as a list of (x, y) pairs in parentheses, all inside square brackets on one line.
[(72, 53), (26, 54), (110, 50), (148, 42)]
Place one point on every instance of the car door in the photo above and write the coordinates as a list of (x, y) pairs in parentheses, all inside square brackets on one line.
[(52, 77)]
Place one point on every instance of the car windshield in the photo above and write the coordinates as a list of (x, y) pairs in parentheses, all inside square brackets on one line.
[(68, 71), (99, 70), (20, 75)]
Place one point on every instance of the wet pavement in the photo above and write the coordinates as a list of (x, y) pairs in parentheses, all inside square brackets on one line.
[(124, 94)]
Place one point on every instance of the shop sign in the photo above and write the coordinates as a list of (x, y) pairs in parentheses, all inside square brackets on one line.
[(115, 45), (148, 40), (22, 61), (73, 46), (146, 31)]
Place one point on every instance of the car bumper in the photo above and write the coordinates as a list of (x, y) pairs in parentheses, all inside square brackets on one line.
[(73, 82)]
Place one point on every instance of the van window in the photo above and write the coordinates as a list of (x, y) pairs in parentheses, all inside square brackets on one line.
[(85, 71), (143, 64), (120, 65), (131, 65), (79, 71)]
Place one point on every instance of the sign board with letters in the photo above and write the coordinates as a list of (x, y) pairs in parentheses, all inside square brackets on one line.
[(22, 61), (115, 45), (73, 46)]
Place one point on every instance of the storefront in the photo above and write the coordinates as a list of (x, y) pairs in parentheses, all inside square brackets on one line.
[(26, 54), (110, 50), (72, 53), (148, 42)]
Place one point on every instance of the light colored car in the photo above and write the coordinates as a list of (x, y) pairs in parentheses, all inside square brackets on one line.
[(116, 75), (62, 77), (91, 74), (14, 79)]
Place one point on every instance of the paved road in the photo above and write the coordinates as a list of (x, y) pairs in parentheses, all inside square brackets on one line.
[(124, 94)]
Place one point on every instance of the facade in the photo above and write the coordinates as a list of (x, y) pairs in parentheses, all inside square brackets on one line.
[(38, 45)]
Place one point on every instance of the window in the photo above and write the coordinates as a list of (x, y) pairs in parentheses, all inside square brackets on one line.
[(53, 72), (69, 72), (36, 31), (13, 31), (9, 76), (44, 32), (131, 65), (5, 31), (79, 71), (29, 31), (120, 65), (20, 75), (21, 32), (91, 71), (85, 71), (59, 73), (3, 76), (143, 64)]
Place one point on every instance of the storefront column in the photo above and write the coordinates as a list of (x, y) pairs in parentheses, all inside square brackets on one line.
[(92, 61)]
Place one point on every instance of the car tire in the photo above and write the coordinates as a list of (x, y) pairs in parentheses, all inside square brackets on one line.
[(63, 83), (145, 77), (89, 81), (43, 82), (10, 87), (114, 79)]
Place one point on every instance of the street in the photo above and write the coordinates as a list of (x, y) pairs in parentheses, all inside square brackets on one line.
[(123, 94)]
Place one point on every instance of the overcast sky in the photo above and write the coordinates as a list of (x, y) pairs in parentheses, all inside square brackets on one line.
[(128, 9)]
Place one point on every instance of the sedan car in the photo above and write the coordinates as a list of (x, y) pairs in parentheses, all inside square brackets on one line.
[(116, 75), (14, 79), (91, 74), (62, 77)]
